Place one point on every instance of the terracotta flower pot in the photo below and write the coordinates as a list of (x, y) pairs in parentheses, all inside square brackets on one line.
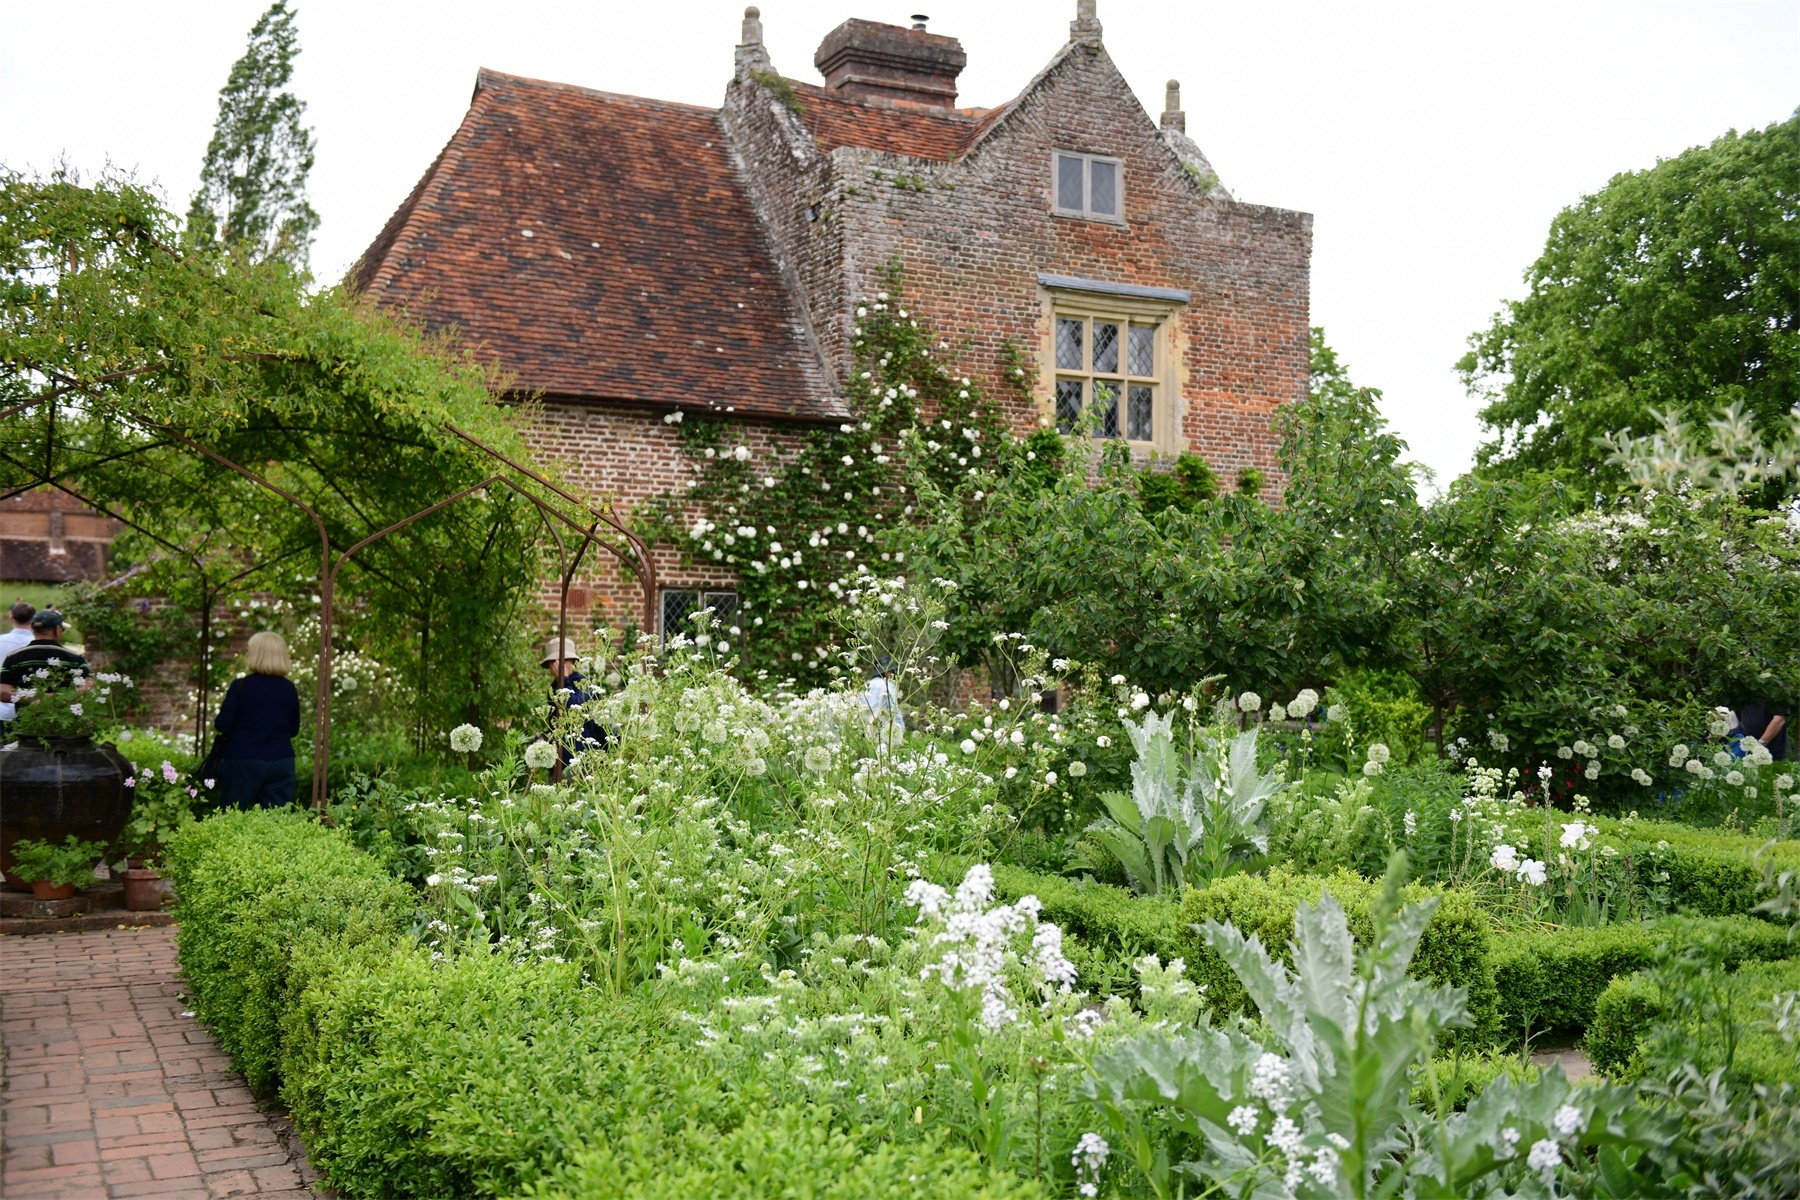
[(145, 890), (43, 889)]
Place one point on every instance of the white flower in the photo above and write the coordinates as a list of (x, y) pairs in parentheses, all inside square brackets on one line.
[(540, 756), (1372, 768), (755, 767), (1117, 680), (968, 746), (1411, 821), (1575, 835), (1379, 753), (1103, 742), (1565, 752), (742, 454), (1012, 772), (1140, 701), (927, 897), (75, 709), (1088, 1160), (1249, 702), (1277, 712), (1077, 768), (1498, 740), (818, 759), (1511, 1137), (1678, 754), (1017, 737), (1544, 1158), (1567, 1120), (1242, 1120), (1269, 1080), (1302, 705), (1583, 749), (1721, 758), (1050, 778), (1505, 858), (131, 781), (1784, 782), (1532, 872), (1734, 778), (1593, 769), (1694, 766), (433, 880), (465, 739), (1641, 776), (1615, 741)]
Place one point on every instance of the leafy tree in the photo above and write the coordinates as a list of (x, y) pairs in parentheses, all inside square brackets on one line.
[(1675, 289), (123, 352), (253, 182)]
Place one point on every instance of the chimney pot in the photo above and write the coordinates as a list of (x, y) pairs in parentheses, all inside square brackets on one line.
[(910, 67), (918, 20)]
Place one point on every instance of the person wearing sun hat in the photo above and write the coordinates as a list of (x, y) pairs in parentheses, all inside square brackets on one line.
[(560, 657)]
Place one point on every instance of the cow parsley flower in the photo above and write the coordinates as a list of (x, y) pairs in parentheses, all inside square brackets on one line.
[(1242, 1120), (1567, 1120)]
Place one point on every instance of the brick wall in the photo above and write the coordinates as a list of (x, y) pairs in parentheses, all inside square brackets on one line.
[(975, 233)]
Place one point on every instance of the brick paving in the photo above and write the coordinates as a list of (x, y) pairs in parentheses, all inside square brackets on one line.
[(112, 1091)]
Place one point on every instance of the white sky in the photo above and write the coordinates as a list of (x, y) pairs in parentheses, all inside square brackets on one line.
[(1433, 142)]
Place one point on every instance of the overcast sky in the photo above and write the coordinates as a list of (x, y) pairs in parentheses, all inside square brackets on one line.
[(1433, 142)]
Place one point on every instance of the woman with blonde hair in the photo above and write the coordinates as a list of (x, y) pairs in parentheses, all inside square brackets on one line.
[(256, 726)]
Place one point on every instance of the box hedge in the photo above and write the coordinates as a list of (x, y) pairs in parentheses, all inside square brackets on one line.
[(1632, 1004), (1550, 981), (414, 1075), (254, 890), (1712, 872), (1113, 927)]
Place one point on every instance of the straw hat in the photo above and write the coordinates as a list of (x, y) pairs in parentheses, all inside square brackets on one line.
[(569, 652)]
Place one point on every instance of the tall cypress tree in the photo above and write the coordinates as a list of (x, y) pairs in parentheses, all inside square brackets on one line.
[(253, 184)]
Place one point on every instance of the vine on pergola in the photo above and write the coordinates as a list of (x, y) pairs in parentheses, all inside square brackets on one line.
[(208, 398)]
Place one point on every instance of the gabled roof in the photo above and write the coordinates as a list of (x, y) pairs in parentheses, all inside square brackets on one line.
[(938, 134), (600, 247)]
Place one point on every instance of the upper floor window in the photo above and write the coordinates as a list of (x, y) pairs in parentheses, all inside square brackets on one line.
[(1088, 185), (1107, 363)]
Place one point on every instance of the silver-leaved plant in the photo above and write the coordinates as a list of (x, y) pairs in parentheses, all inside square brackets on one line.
[(1186, 826)]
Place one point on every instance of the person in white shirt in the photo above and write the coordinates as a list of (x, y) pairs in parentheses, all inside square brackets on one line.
[(882, 699), (19, 637)]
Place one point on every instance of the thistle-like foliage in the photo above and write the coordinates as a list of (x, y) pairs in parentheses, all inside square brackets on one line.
[(1187, 826), (1324, 1110)]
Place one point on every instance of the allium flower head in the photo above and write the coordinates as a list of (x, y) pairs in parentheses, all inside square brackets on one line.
[(1077, 769), (1378, 752), (1249, 702), (1302, 705), (540, 756), (818, 759), (465, 739), (1734, 778)]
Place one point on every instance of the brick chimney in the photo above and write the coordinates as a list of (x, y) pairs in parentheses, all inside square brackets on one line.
[(902, 66)]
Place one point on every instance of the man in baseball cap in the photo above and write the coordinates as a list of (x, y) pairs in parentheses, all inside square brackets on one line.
[(44, 648)]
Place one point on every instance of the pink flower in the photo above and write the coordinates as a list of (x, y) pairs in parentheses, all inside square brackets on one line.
[(170, 775), (131, 781), (209, 784), (192, 792)]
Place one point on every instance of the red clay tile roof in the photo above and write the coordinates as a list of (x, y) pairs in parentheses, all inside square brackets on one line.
[(834, 120), (600, 247)]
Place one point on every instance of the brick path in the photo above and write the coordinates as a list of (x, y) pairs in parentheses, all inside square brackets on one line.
[(111, 1091)]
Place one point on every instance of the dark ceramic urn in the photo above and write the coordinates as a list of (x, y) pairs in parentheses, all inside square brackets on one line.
[(52, 788)]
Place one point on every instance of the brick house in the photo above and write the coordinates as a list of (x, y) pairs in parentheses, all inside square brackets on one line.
[(625, 258)]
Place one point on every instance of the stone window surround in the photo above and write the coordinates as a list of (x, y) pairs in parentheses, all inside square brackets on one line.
[(1068, 296)]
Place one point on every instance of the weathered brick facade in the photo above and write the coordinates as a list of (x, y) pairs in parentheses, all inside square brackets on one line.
[(625, 258)]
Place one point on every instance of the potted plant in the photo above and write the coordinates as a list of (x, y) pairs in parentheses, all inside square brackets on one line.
[(163, 802), (54, 871), (57, 782)]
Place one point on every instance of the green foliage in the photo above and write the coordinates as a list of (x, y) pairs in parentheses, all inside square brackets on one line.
[(1731, 456), (1684, 1011), (130, 349), (1326, 823), (781, 89), (133, 638), (253, 183), (71, 862), (1453, 949), (1377, 705), (1670, 289), (1170, 832), (768, 1155), (1111, 926), (1329, 1080), (1551, 980), (1185, 487), (254, 891), (163, 803)]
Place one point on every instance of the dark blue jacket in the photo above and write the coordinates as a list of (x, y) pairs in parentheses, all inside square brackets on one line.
[(259, 718)]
